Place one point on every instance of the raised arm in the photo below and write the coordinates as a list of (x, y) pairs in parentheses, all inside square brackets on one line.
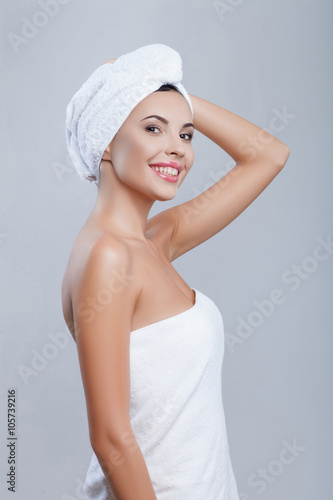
[(103, 308), (259, 157)]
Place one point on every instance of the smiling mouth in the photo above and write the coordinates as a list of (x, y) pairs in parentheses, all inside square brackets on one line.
[(168, 174), (170, 171)]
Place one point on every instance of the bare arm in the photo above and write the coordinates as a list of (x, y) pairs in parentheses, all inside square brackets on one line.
[(259, 157), (242, 140), (103, 308)]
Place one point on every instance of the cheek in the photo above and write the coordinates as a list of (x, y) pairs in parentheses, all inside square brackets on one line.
[(122, 152), (190, 158), (130, 154), (140, 150)]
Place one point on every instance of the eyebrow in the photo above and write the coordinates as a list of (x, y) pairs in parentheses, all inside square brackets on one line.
[(166, 121)]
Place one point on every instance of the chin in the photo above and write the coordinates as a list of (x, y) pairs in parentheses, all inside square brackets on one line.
[(165, 198)]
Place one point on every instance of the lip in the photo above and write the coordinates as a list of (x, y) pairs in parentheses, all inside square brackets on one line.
[(172, 164)]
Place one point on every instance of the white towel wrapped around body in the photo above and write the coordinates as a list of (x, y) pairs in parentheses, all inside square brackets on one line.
[(176, 408)]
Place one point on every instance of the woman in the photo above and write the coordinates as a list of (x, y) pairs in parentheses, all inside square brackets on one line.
[(150, 347)]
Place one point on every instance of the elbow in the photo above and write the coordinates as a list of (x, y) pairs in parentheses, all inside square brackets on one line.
[(98, 446), (282, 156), (114, 440), (103, 448)]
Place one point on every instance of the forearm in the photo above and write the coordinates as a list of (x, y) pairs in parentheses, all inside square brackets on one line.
[(238, 137), (125, 470)]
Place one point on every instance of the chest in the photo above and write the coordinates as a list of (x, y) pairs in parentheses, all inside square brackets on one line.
[(164, 292)]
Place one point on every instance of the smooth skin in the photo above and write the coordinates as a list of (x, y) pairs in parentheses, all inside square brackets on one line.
[(119, 275)]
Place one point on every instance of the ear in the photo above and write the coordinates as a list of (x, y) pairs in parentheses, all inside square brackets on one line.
[(107, 154)]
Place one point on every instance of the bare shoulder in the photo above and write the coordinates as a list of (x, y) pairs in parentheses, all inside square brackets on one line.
[(109, 264), (98, 270), (108, 252)]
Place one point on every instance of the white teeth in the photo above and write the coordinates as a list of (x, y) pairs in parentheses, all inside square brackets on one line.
[(166, 170)]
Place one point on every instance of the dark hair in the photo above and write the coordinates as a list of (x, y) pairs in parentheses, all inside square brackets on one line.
[(167, 86)]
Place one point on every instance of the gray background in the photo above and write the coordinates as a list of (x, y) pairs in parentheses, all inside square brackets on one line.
[(256, 59)]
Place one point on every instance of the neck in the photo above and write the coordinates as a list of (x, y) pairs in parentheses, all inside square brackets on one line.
[(119, 208)]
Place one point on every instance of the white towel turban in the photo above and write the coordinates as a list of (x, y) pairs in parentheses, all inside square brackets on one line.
[(102, 104)]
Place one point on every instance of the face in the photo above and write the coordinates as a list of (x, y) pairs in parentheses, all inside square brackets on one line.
[(142, 141)]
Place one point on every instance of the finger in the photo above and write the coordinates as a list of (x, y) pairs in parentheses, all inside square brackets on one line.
[(110, 61)]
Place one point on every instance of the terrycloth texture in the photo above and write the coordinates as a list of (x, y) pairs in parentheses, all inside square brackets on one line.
[(102, 104), (176, 408)]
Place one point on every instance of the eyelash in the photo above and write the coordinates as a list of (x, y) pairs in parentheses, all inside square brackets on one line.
[(154, 126)]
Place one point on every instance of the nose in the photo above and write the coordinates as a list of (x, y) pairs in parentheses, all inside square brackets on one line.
[(175, 145)]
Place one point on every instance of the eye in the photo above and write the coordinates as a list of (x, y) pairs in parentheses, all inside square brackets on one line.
[(154, 127), (151, 126), (190, 136)]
